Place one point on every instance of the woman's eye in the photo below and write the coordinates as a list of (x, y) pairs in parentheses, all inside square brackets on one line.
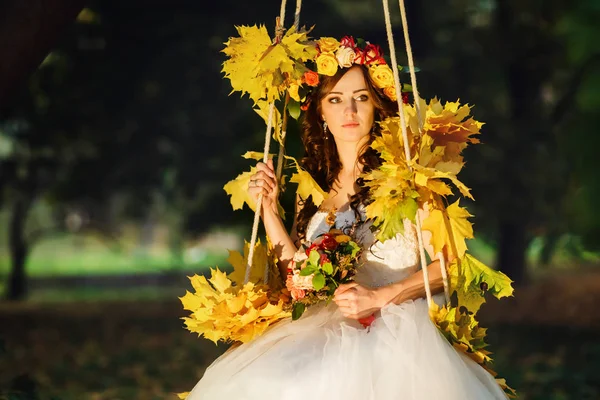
[(362, 97), (335, 100)]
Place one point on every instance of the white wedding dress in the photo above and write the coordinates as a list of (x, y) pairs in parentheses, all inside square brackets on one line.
[(324, 356)]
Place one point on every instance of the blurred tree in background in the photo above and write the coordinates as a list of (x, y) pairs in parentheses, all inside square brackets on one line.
[(128, 114)]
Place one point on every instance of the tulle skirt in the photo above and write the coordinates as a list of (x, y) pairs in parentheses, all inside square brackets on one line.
[(323, 355)]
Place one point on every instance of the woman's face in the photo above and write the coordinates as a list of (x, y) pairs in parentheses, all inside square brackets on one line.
[(348, 108)]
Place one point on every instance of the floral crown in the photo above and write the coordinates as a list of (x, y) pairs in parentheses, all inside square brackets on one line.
[(333, 54), (265, 68)]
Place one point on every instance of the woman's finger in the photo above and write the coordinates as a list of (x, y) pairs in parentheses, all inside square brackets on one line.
[(266, 168), (262, 182), (344, 296), (344, 287), (264, 176)]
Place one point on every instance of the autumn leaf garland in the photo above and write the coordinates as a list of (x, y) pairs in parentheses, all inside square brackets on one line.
[(399, 187), (224, 308)]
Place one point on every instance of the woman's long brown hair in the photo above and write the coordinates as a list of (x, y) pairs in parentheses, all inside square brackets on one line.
[(321, 158)]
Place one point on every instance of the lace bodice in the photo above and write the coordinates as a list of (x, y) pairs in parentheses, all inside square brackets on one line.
[(383, 262)]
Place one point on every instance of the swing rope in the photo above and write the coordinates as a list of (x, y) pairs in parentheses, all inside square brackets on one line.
[(413, 79), (279, 33)]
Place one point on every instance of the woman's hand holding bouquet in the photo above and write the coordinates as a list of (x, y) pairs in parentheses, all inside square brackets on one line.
[(331, 260)]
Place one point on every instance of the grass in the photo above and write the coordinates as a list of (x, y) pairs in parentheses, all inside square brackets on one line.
[(69, 255)]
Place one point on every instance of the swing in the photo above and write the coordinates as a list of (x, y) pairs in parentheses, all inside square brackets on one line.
[(432, 136)]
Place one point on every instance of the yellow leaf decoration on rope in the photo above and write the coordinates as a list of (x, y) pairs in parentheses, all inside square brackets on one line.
[(262, 109), (307, 186), (256, 155), (236, 313), (263, 258), (431, 178), (471, 279), (244, 54), (261, 68), (223, 308), (393, 197), (449, 228), (462, 331), (449, 123), (238, 190)]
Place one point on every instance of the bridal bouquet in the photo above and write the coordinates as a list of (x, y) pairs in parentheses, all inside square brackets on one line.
[(332, 259)]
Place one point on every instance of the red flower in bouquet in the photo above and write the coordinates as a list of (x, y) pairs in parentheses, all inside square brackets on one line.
[(367, 321)]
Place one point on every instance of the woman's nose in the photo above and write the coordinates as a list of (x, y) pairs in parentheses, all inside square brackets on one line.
[(351, 108)]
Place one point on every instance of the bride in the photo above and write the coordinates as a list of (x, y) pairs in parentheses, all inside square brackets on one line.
[(327, 353)]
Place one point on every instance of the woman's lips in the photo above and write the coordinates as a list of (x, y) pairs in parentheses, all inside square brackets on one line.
[(350, 125)]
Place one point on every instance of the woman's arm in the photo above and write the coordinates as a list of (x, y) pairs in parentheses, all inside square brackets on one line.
[(411, 288), (356, 301), (283, 245), (264, 182)]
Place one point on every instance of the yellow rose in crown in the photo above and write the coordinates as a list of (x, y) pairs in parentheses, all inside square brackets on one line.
[(328, 44), (382, 75), (327, 64)]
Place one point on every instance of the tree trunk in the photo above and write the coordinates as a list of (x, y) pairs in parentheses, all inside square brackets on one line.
[(512, 248), (28, 30), (19, 249)]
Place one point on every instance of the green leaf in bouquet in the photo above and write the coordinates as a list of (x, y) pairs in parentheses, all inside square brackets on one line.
[(298, 310), (318, 281), (355, 248), (314, 257), (310, 269), (327, 268)]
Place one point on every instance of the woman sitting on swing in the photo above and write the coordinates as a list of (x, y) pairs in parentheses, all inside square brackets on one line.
[(327, 353)]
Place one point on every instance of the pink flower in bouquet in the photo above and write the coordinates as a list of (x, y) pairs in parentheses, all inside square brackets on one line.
[(297, 284), (297, 294)]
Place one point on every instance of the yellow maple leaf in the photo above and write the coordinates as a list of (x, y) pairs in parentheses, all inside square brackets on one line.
[(262, 109), (427, 174), (447, 123), (449, 229), (510, 392), (263, 258), (190, 301), (219, 280), (259, 67), (471, 279), (183, 395), (298, 45), (238, 190), (307, 186), (256, 155), (244, 54)]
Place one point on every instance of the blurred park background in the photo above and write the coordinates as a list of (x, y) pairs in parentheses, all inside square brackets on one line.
[(117, 134)]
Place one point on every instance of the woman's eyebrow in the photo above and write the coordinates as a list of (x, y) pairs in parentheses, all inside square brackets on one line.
[(356, 91)]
